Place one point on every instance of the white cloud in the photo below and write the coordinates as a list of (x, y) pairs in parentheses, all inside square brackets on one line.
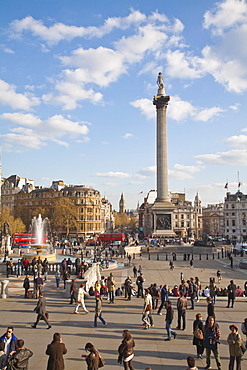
[(226, 14), (109, 183), (235, 107), (206, 114), (9, 97), (127, 136), (147, 171), (178, 110), (235, 157), (146, 107), (180, 65), (237, 141), (190, 169), (38, 131), (120, 175), (179, 175)]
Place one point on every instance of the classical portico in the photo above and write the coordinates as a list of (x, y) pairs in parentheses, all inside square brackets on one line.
[(162, 208)]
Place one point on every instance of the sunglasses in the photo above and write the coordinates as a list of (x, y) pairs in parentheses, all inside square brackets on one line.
[(9, 331)]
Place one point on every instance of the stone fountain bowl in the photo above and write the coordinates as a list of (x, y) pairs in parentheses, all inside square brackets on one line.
[(40, 250)]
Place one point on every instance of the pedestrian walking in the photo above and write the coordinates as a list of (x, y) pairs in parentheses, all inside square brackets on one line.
[(19, 359), (198, 335), (80, 299), (164, 298), (147, 310), (111, 288), (169, 319), (126, 350), (40, 309), (58, 278), (135, 271), (55, 351), (244, 329), (231, 292), (210, 308), (235, 347), (139, 282), (26, 286), (211, 341), (182, 304), (93, 360), (73, 289), (98, 311)]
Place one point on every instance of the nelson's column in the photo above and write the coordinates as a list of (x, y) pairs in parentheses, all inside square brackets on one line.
[(162, 208)]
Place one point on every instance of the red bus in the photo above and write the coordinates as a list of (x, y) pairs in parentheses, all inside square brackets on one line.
[(24, 240), (105, 238)]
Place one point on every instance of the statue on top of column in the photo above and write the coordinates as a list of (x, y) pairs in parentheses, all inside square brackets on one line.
[(160, 82)]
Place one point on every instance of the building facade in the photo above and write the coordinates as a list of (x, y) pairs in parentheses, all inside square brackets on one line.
[(235, 214), (187, 217), (11, 186), (213, 222), (93, 212)]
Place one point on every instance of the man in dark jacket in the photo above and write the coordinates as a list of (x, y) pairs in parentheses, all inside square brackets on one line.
[(55, 351), (139, 281), (231, 291), (10, 341), (169, 318), (40, 309), (19, 360)]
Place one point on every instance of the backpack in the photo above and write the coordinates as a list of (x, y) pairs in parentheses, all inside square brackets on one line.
[(244, 328)]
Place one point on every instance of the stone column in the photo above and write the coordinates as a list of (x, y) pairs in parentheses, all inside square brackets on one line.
[(161, 102)]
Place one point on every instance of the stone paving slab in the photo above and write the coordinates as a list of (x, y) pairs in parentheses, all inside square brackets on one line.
[(151, 350)]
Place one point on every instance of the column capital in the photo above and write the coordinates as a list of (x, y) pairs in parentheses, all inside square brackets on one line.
[(161, 101)]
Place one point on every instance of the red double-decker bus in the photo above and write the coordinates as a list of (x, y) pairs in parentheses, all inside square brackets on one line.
[(106, 238), (24, 240)]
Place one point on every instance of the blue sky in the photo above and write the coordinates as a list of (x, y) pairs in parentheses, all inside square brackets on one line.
[(76, 88)]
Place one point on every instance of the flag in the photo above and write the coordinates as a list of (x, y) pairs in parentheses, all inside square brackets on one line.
[(226, 186), (140, 192), (239, 184)]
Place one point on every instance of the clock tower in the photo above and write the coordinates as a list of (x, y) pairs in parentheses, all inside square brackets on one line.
[(162, 208)]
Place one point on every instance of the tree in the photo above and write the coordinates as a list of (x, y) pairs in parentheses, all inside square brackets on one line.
[(65, 215), (15, 224)]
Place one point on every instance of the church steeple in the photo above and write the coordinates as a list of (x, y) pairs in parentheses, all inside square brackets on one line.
[(122, 205)]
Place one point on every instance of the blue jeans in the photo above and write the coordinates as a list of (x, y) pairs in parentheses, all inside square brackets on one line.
[(100, 317), (170, 332)]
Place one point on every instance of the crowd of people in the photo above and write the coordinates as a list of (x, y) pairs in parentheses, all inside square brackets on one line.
[(206, 334)]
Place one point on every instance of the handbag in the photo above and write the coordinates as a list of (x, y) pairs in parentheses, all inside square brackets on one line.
[(198, 333), (47, 315), (101, 361), (148, 307)]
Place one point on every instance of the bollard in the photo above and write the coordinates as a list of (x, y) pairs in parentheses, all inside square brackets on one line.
[(149, 256), (200, 257), (158, 257), (222, 253), (192, 256), (213, 256), (207, 256), (4, 288), (134, 256), (166, 256), (218, 255)]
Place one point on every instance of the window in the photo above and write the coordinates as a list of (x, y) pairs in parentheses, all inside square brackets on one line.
[(182, 224), (176, 216), (89, 210), (188, 216), (233, 223), (182, 217), (233, 213), (227, 222), (233, 205)]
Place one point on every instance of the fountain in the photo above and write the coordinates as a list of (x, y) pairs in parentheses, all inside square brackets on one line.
[(39, 248)]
